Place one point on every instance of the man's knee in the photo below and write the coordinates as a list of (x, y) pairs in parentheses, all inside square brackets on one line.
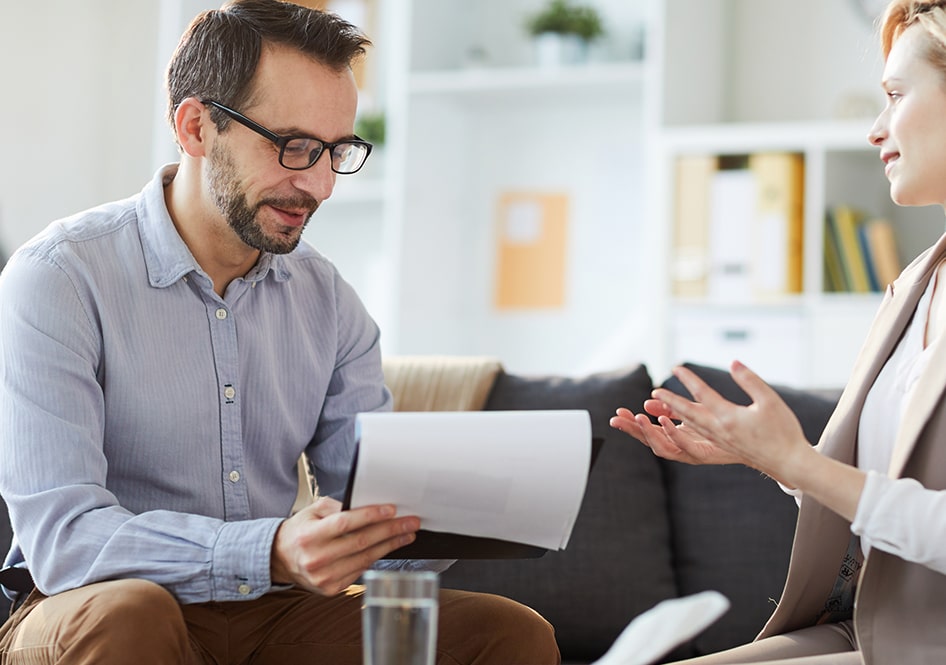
[(108, 620), (127, 607), (486, 629)]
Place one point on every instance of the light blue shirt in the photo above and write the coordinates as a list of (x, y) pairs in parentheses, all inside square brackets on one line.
[(150, 428)]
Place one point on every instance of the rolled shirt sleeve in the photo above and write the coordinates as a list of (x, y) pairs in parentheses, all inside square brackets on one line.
[(901, 517)]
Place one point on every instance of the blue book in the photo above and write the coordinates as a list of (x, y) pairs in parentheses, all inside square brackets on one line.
[(864, 242)]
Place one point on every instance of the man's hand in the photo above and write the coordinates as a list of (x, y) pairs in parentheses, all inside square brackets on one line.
[(325, 549)]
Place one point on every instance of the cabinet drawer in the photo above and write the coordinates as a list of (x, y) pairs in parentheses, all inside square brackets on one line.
[(772, 345)]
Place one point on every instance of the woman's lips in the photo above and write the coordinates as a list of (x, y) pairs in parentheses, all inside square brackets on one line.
[(889, 160)]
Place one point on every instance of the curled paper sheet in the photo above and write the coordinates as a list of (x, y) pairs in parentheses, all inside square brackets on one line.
[(666, 625), (489, 474)]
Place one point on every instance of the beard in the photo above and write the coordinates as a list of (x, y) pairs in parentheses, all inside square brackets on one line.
[(231, 201)]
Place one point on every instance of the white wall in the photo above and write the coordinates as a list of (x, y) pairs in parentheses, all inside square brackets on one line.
[(76, 118), (833, 72)]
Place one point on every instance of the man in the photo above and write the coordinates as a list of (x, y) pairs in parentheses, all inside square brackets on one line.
[(165, 360)]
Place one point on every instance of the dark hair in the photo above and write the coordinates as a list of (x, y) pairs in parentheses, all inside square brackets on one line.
[(219, 52)]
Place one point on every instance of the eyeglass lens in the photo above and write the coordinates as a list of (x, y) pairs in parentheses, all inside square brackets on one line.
[(301, 153)]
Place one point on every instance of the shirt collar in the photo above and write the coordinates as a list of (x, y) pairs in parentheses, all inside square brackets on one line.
[(167, 257)]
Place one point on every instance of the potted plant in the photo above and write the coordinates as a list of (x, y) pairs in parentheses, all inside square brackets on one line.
[(562, 32), (370, 126)]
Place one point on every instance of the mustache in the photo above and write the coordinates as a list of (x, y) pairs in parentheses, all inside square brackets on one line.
[(299, 202)]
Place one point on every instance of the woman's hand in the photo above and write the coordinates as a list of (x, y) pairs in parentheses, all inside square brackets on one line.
[(667, 439), (764, 435)]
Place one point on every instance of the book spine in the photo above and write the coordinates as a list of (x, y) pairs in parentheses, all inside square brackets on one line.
[(778, 231), (864, 244), (834, 270), (690, 260), (883, 250), (846, 220)]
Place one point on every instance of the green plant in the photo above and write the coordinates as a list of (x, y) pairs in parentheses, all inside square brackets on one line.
[(563, 17), (370, 127)]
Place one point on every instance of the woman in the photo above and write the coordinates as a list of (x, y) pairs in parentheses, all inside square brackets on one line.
[(873, 493)]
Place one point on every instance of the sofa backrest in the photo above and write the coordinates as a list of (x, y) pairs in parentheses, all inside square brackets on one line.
[(649, 529)]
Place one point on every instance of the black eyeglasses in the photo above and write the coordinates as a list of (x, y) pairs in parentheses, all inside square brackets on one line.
[(298, 153)]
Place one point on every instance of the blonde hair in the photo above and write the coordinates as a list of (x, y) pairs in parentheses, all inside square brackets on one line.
[(930, 15)]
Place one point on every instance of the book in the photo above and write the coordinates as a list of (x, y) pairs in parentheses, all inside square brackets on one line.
[(834, 280), (844, 221), (778, 229), (732, 217), (864, 242), (882, 248), (690, 255), (478, 480)]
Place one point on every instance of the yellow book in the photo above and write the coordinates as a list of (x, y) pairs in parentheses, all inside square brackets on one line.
[(846, 220), (690, 254), (833, 270), (778, 233)]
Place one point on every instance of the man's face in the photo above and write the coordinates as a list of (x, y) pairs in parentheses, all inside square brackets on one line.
[(265, 205), (230, 198)]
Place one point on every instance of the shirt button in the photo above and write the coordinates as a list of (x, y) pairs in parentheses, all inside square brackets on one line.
[(229, 392), (244, 589), (221, 313), (235, 476)]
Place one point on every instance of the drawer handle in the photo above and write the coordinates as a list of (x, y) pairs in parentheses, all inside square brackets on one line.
[(736, 335)]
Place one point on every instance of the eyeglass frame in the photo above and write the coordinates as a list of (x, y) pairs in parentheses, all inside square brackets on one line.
[(281, 140)]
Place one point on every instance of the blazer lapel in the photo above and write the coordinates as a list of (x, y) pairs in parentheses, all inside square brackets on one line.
[(892, 318), (926, 394), (925, 397)]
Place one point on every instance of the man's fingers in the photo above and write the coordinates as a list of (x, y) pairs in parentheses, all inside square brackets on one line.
[(348, 521), (324, 506)]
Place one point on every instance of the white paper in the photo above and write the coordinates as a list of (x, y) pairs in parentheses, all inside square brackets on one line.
[(668, 624), (512, 475)]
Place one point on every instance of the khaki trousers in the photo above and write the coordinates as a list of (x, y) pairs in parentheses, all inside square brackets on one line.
[(139, 622)]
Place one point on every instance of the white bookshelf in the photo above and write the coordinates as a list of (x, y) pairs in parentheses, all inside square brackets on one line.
[(777, 77)]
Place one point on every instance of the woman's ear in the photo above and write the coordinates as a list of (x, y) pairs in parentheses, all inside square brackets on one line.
[(193, 127)]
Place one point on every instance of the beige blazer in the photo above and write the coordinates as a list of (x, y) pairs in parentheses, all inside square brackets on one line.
[(900, 607)]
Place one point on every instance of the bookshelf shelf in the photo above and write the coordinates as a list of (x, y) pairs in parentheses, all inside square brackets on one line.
[(849, 135), (607, 78)]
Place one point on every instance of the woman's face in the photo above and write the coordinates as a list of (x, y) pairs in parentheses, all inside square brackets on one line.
[(911, 130)]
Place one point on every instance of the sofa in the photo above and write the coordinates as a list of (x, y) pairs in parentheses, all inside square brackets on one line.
[(648, 529)]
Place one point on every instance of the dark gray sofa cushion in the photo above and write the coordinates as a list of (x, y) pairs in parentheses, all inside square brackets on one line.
[(733, 527), (618, 561)]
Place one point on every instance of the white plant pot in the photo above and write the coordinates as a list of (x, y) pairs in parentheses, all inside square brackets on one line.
[(553, 49)]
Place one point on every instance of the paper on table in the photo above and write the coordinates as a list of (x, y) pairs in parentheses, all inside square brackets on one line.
[(512, 475), (666, 625)]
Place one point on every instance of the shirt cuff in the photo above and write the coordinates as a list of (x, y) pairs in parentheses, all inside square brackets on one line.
[(241, 559)]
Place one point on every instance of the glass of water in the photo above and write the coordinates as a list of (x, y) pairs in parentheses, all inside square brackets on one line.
[(399, 617)]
